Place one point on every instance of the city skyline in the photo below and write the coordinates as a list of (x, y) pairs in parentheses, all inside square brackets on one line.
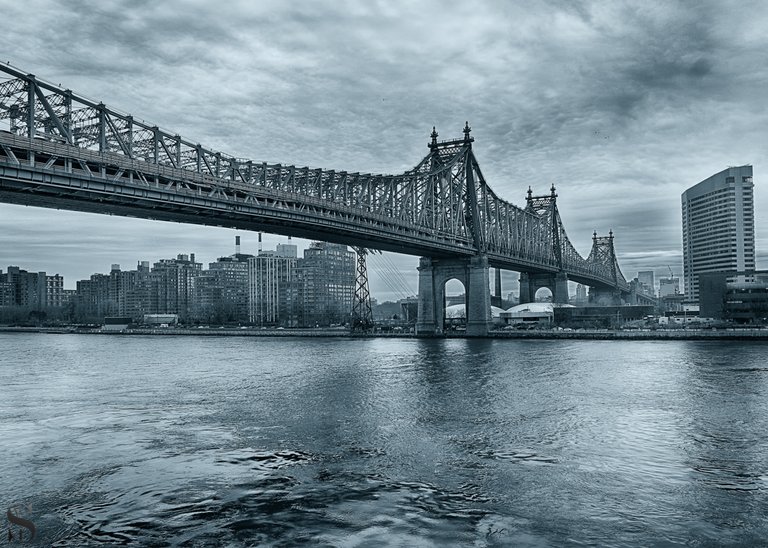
[(621, 107)]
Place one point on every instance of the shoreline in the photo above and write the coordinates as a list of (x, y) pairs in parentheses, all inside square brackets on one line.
[(585, 334)]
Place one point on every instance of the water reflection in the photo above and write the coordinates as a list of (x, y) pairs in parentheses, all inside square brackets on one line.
[(191, 441)]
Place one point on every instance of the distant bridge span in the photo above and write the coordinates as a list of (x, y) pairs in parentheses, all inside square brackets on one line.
[(65, 151)]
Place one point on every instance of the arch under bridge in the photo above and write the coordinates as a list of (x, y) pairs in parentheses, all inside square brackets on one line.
[(62, 150)]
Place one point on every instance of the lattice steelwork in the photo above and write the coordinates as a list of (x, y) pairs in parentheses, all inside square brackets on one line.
[(362, 314), (604, 253), (64, 150)]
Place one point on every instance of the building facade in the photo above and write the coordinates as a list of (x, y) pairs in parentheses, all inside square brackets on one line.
[(739, 301), (326, 284), (718, 226), (171, 285), (646, 279), (669, 286), (269, 276), (221, 292)]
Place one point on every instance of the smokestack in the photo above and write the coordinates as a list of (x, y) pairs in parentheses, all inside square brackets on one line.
[(259, 242), (498, 283), (237, 245)]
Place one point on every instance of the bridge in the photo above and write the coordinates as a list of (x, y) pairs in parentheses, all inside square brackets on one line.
[(62, 150)]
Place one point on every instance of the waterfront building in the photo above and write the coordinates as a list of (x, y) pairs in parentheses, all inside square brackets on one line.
[(222, 291), (54, 291), (93, 298), (718, 227), (744, 300), (171, 286), (129, 291), (32, 290), (272, 292), (7, 292), (326, 278)]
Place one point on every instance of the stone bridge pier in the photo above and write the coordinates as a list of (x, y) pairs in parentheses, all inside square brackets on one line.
[(434, 274), (530, 283)]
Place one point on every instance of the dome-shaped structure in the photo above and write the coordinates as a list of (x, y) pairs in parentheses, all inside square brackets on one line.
[(532, 307), (458, 311), (539, 307)]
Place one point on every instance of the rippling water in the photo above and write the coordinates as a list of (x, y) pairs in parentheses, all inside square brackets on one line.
[(189, 441)]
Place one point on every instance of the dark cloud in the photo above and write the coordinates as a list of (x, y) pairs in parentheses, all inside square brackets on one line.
[(622, 105)]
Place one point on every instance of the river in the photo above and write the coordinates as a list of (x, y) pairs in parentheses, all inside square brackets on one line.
[(187, 441)]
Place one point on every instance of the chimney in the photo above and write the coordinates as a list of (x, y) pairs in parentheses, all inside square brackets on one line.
[(237, 245), (259, 243)]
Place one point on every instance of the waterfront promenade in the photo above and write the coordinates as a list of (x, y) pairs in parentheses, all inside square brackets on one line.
[(733, 333)]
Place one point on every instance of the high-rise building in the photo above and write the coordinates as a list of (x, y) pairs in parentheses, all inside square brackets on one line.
[(269, 274), (7, 291), (54, 290), (581, 293), (718, 226), (171, 285), (221, 292), (669, 286), (32, 290), (647, 283), (129, 291), (326, 284), (92, 300)]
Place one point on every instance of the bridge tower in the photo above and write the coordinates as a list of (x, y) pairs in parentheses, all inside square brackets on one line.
[(362, 315), (604, 253), (545, 206), (472, 272)]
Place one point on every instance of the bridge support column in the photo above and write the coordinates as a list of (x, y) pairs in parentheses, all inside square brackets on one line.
[(473, 274), (527, 295), (530, 283), (426, 323), (560, 294), (478, 297)]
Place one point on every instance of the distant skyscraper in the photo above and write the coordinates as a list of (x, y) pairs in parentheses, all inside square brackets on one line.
[(718, 226), (669, 286), (581, 293), (645, 277)]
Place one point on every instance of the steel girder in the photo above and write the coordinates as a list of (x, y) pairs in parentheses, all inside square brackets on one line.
[(441, 207)]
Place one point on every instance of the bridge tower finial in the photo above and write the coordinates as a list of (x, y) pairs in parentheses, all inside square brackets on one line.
[(530, 194), (434, 138), (594, 235), (467, 129), (552, 191)]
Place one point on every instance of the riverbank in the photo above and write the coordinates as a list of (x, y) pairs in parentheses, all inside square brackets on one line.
[(586, 334)]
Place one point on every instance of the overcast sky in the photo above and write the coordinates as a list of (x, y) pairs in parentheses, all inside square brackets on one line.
[(622, 105)]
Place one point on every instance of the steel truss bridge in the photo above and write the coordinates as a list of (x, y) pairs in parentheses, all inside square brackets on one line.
[(64, 151)]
